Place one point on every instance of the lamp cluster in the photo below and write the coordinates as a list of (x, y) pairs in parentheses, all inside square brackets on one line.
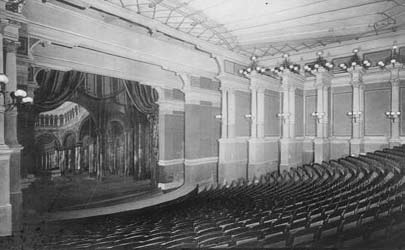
[(320, 63), (355, 115), (392, 115), (254, 67), (393, 59), (318, 116), (18, 97), (355, 62), (283, 116), (286, 65)]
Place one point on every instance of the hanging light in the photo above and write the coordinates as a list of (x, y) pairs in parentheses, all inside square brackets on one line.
[(320, 63), (254, 67), (287, 65), (353, 62), (393, 59)]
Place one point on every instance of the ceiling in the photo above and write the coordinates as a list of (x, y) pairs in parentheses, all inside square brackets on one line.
[(269, 28)]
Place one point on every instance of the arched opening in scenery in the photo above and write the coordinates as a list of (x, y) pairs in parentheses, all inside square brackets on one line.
[(95, 138)]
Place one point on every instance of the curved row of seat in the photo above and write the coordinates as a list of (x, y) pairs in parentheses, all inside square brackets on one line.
[(336, 203)]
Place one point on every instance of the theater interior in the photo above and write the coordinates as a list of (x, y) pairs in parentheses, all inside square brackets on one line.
[(131, 124)]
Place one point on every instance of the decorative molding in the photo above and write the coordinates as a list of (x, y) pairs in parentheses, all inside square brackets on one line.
[(232, 82), (259, 81), (164, 163), (170, 106), (200, 161), (240, 139), (195, 95)]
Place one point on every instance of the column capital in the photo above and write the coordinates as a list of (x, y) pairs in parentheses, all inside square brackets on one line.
[(259, 81), (229, 81), (356, 75), (292, 80), (11, 45), (395, 82), (323, 79)]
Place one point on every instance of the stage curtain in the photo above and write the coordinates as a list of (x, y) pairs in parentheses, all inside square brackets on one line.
[(56, 87), (143, 97)]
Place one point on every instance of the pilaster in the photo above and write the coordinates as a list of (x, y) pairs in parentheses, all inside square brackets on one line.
[(357, 112), (395, 105), (290, 151), (321, 143)]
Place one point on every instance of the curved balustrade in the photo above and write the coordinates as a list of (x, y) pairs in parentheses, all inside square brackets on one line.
[(59, 120), (328, 204)]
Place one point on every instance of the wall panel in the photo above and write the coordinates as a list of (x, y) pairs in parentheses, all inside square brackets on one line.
[(341, 123), (299, 113), (310, 106), (377, 102), (202, 131), (242, 103), (402, 110), (174, 136), (271, 109)]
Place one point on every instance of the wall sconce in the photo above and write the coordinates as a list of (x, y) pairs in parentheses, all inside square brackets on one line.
[(250, 117), (392, 115), (318, 116), (354, 115), (219, 117), (18, 97), (283, 116)]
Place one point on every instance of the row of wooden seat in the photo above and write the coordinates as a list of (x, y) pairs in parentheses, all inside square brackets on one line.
[(316, 204)]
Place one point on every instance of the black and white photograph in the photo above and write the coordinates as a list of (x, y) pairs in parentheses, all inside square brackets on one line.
[(157, 124)]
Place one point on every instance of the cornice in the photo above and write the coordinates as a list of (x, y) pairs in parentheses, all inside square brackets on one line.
[(200, 161), (157, 26), (232, 82), (196, 95), (292, 80), (258, 81), (58, 35)]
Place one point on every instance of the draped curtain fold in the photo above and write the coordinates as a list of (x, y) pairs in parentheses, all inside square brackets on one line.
[(56, 87), (143, 97)]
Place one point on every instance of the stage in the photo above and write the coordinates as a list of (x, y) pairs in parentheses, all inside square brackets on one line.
[(76, 192)]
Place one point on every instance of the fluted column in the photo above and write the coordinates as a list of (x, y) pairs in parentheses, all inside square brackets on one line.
[(395, 106), (11, 71), (321, 143), (357, 110), (260, 113), (253, 113), (5, 203), (224, 113), (285, 133), (231, 114), (290, 151)]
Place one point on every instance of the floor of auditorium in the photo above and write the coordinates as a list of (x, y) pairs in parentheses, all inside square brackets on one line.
[(82, 191)]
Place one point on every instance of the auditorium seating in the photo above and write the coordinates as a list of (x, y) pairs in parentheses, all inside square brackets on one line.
[(336, 203)]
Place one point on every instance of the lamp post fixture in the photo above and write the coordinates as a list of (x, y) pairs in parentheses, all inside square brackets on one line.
[(17, 97)]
